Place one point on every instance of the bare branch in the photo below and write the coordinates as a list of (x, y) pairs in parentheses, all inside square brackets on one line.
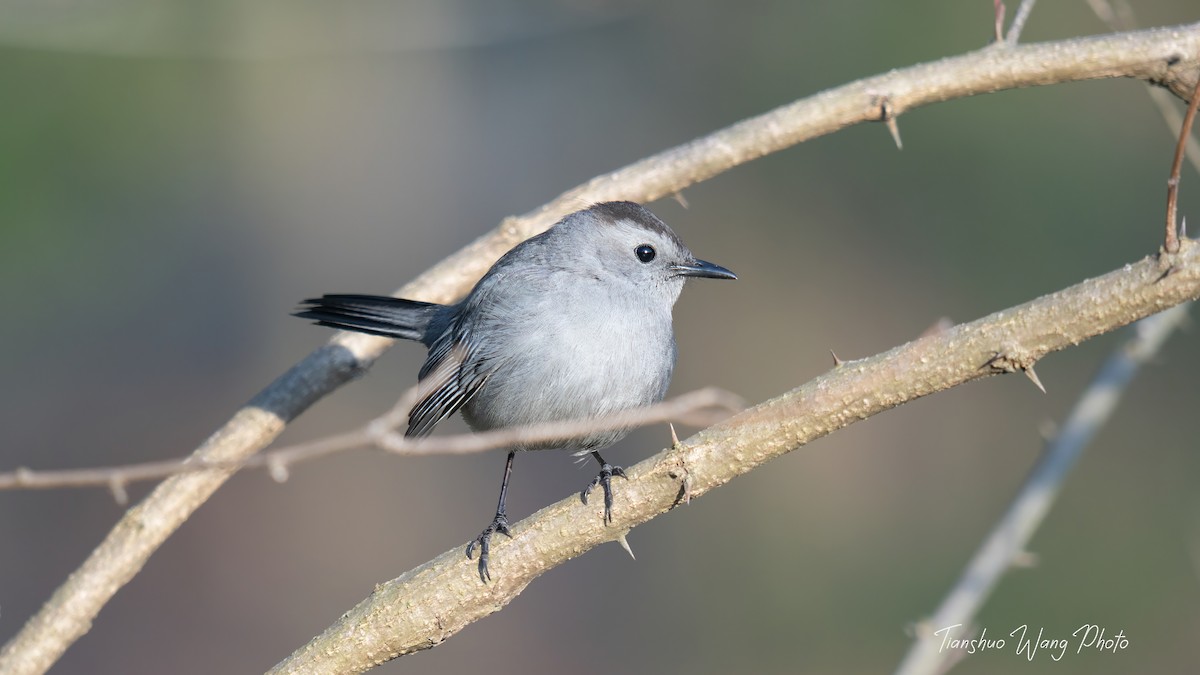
[(699, 408), (1165, 56), (1006, 543)]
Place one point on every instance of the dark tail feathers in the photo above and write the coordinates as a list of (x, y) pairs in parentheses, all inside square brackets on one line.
[(374, 314)]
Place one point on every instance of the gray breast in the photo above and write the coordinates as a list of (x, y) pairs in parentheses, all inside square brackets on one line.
[(576, 364)]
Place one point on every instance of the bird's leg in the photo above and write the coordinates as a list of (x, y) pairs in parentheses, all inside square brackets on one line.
[(604, 479), (499, 524)]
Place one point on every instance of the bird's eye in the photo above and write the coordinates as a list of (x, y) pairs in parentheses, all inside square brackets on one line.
[(645, 253)]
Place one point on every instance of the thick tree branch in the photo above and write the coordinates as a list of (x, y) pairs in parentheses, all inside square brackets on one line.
[(427, 605), (1163, 56)]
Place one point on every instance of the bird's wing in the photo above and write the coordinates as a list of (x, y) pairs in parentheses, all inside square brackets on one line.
[(452, 374)]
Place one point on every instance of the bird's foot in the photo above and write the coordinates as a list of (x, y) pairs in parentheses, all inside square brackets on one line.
[(604, 479), (499, 524)]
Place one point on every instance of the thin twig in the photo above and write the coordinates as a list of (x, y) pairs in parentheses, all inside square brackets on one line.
[(1007, 541), (429, 604), (1018, 24), (1171, 242), (1149, 55), (1166, 103), (698, 408)]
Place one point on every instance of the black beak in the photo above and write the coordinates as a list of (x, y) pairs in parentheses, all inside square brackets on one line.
[(700, 268)]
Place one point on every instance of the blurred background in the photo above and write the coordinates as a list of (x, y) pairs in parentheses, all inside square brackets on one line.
[(176, 176)]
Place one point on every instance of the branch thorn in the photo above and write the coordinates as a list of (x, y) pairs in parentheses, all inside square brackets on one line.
[(625, 545), (887, 115), (1029, 372), (894, 129), (836, 361)]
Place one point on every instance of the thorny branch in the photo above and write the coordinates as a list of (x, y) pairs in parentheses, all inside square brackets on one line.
[(432, 602)]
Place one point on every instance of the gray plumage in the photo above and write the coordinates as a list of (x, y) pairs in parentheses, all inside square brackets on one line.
[(574, 322)]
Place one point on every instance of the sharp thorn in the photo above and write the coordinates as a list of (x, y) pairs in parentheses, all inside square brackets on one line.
[(674, 436), (678, 196), (894, 129), (625, 545), (836, 361), (1029, 372)]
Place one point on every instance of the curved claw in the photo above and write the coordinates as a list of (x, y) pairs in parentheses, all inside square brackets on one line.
[(604, 479), (499, 524)]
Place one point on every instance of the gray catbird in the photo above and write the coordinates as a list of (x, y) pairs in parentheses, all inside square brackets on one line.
[(572, 323)]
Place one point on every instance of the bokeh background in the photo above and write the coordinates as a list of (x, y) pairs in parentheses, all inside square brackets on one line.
[(174, 176)]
